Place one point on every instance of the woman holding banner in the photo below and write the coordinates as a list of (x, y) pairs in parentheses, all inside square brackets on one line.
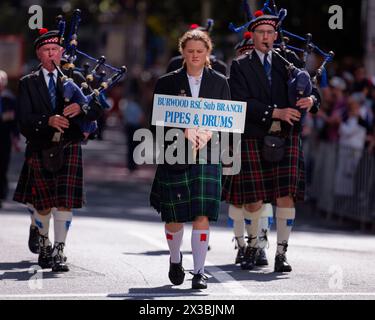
[(190, 191)]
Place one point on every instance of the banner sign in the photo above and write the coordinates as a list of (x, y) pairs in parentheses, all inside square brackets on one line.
[(210, 114)]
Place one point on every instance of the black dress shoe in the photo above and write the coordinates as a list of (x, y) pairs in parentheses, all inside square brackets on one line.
[(248, 262), (261, 258), (281, 264), (240, 254), (199, 281), (59, 265), (45, 256), (59, 259), (176, 273), (34, 239)]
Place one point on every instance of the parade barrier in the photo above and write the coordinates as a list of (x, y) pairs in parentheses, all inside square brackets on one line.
[(342, 182)]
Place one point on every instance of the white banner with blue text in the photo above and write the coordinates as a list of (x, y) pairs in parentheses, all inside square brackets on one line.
[(210, 114)]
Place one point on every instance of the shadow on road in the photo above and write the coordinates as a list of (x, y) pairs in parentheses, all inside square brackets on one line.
[(258, 274), (24, 271), (160, 292), (154, 253)]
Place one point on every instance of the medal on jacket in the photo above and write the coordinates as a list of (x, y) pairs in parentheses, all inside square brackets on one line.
[(182, 93)]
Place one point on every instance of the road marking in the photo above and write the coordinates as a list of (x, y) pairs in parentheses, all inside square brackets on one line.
[(227, 281)]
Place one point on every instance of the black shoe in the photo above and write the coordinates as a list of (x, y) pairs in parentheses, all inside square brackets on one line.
[(176, 273), (45, 253), (199, 281), (281, 264), (34, 239), (261, 258), (240, 255), (248, 262), (59, 259)]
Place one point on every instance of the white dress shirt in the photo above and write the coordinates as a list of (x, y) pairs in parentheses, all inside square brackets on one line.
[(46, 76), (195, 84), (261, 56)]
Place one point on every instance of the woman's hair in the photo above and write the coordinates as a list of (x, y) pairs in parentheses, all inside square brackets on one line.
[(197, 35)]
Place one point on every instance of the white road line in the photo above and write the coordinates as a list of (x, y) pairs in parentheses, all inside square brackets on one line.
[(228, 282)]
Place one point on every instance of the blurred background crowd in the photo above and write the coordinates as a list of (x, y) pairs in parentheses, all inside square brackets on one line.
[(339, 142)]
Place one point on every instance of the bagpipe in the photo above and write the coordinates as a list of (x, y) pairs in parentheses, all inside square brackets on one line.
[(300, 82), (96, 82)]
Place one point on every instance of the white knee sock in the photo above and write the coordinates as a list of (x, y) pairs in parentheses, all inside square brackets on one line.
[(199, 245), (62, 221), (174, 243), (284, 223), (236, 214), (42, 222), (265, 223), (31, 210), (252, 225), (238, 228)]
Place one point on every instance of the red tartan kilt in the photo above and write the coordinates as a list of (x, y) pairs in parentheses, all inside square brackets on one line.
[(262, 180), (48, 190)]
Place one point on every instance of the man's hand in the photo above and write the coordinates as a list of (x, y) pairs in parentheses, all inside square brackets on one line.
[(288, 115), (58, 122), (305, 103), (72, 110)]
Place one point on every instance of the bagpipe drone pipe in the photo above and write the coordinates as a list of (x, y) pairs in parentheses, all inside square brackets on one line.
[(97, 78)]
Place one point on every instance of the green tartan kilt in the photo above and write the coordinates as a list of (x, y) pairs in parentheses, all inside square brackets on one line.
[(181, 196)]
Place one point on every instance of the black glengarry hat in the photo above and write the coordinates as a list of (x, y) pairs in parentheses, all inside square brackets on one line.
[(260, 18), (48, 37)]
